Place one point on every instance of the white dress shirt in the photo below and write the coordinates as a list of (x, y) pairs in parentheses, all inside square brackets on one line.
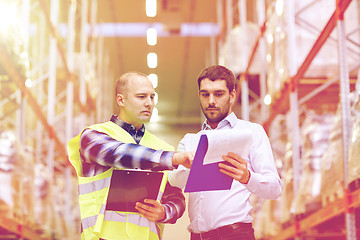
[(212, 209)]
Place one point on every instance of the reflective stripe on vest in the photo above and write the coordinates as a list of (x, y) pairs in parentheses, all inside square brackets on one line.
[(88, 222), (97, 185), (131, 218), (120, 217)]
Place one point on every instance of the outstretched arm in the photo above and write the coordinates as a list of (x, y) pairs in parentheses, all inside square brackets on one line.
[(100, 148)]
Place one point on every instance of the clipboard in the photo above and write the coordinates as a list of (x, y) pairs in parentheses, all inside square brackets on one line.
[(130, 186), (206, 177)]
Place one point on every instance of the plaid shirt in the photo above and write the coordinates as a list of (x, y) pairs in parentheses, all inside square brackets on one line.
[(99, 152)]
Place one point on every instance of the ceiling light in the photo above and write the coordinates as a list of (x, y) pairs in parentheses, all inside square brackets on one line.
[(156, 98), (268, 58), (28, 83), (152, 60), (154, 79), (270, 38), (281, 71), (267, 99), (151, 8), (279, 7), (151, 36)]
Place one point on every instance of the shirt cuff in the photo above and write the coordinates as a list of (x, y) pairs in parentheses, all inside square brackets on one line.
[(166, 159), (252, 183), (168, 216)]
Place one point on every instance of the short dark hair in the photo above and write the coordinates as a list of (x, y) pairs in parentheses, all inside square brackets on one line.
[(217, 72)]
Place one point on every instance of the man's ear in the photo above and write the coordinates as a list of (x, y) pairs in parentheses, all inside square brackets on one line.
[(232, 96), (120, 99)]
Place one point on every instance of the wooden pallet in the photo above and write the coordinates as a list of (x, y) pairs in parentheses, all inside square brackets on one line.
[(331, 196), (43, 231)]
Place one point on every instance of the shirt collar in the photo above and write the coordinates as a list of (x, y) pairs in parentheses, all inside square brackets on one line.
[(230, 119), (136, 135)]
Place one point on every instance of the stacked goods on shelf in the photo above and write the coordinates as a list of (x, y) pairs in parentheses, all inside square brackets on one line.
[(25, 193), (59, 205), (74, 219), (321, 164), (258, 221), (287, 193), (276, 52), (17, 180), (8, 156), (58, 215), (26, 171), (267, 218), (268, 213), (42, 206), (332, 169), (311, 16), (315, 134), (307, 28), (232, 51), (66, 223), (287, 173), (354, 155)]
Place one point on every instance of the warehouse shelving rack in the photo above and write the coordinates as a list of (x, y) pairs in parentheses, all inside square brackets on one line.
[(301, 227), (287, 100), (67, 96), (11, 227)]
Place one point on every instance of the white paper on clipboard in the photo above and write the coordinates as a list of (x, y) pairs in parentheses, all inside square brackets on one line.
[(220, 142)]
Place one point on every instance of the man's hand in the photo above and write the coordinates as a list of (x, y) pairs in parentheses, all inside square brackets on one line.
[(152, 210), (185, 159), (237, 167)]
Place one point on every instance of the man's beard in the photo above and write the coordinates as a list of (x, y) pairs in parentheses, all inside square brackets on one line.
[(218, 116)]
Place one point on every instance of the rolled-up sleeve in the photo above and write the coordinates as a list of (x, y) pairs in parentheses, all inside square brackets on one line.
[(174, 203)]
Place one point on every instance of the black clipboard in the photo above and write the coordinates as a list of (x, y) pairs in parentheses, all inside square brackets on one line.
[(130, 186)]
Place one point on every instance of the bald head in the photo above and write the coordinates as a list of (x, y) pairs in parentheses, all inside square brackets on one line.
[(123, 82)]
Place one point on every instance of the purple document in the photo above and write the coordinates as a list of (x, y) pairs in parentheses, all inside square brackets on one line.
[(206, 177)]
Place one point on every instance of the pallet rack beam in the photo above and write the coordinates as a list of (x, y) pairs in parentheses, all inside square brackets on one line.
[(16, 228), (324, 85), (333, 209)]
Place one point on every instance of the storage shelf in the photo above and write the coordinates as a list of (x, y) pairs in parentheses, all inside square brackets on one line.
[(336, 208), (324, 92), (45, 121), (12, 227)]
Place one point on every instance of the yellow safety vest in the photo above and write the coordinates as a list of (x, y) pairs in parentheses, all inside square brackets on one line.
[(98, 222)]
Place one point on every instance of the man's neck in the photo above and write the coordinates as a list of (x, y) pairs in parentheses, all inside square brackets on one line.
[(212, 125), (137, 134)]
